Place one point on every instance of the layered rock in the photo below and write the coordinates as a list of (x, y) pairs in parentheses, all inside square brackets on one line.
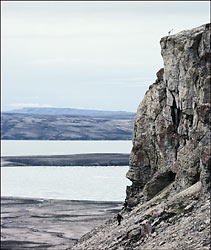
[(171, 137), (167, 205)]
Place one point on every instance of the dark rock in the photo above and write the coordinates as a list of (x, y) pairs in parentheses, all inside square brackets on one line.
[(162, 243)]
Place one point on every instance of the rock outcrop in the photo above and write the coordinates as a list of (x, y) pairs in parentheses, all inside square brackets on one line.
[(167, 205), (171, 134)]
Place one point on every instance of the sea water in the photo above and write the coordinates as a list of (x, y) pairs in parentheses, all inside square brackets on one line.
[(71, 183), (34, 147)]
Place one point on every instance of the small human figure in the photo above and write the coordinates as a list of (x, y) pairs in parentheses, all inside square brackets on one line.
[(119, 218)]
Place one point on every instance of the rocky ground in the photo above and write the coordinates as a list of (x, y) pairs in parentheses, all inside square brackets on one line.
[(178, 222), (50, 224)]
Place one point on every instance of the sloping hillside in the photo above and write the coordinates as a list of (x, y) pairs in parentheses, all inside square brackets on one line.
[(66, 124)]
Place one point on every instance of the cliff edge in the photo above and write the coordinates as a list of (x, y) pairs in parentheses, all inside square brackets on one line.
[(168, 204), (171, 136)]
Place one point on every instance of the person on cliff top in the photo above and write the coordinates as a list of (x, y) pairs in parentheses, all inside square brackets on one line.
[(119, 218)]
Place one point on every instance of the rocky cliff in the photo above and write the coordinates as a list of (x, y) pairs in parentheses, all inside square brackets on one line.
[(171, 131), (167, 205)]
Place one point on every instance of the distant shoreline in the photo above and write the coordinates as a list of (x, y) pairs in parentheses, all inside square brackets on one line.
[(33, 200), (98, 159), (48, 124)]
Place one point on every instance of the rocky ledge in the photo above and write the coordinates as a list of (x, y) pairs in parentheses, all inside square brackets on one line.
[(168, 204)]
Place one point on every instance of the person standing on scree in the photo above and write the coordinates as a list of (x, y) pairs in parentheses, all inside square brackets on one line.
[(119, 218)]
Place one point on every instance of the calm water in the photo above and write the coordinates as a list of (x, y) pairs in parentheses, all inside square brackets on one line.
[(72, 183), (27, 147)]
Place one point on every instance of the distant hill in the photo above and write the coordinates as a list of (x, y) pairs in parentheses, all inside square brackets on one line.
[(66, 124), (73, 111)]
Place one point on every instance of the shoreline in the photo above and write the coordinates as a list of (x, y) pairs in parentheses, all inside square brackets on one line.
[(52, 199), (50, 223), (96, 159)]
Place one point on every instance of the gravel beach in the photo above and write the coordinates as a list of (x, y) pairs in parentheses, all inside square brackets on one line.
[(50, 224)]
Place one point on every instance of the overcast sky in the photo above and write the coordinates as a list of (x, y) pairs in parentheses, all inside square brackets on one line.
[(93, 55)]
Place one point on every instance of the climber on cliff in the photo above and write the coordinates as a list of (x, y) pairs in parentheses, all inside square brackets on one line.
[(119, 218)]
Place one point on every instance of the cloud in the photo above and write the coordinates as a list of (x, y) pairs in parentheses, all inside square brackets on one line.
[(130, 82), (86, 50), (84, 61), (30, 105), (50, 61)]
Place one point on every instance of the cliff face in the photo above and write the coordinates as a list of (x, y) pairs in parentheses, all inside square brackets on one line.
[(171, 134), (168, 201)]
